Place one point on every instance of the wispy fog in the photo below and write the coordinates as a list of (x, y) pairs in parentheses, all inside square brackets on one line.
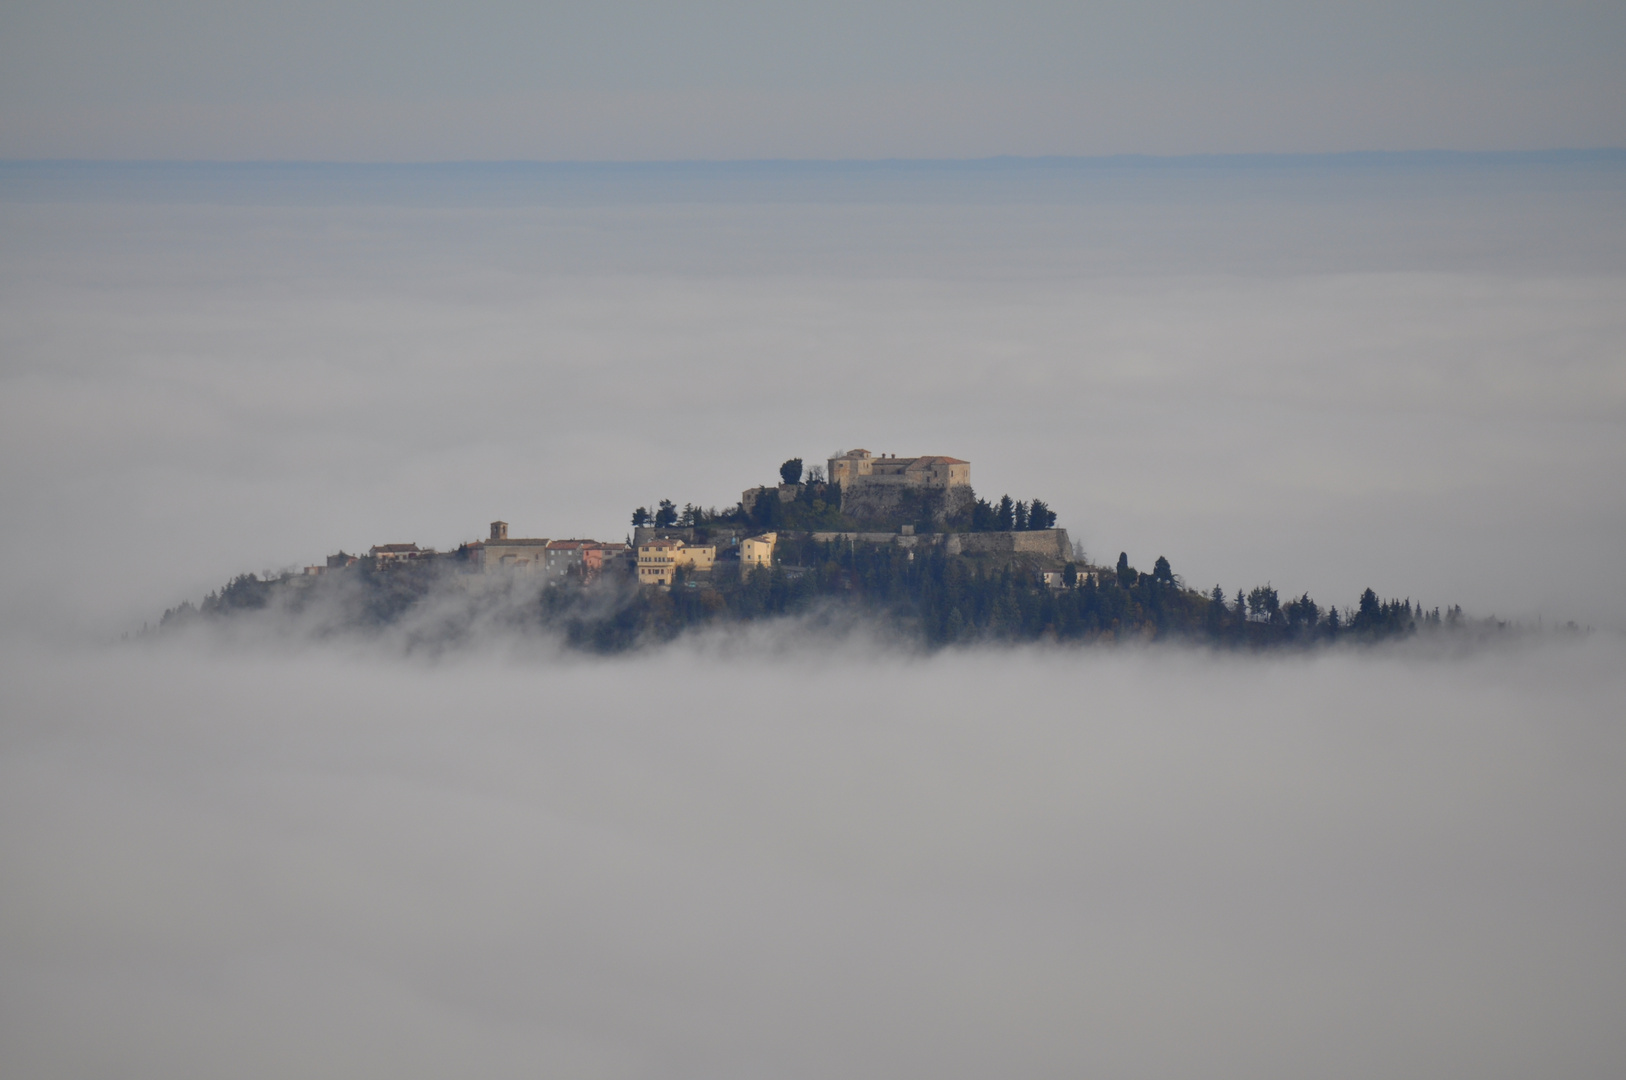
[(783, 853), (793, 859)]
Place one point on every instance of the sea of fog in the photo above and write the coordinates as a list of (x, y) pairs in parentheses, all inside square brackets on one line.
[(1402, 373), (807, 857), (796, 850)]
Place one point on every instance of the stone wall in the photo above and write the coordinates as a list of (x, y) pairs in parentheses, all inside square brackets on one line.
[(903, 504), (1044, 543), (1050, 545)]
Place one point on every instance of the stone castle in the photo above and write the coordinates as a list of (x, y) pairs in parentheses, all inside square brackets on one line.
[(860, 468), (880, 488)]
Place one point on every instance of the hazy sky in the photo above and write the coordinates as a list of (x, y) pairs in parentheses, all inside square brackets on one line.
[(367, 80)]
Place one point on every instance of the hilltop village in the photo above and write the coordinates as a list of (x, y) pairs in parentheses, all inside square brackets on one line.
[(911, 503), (904, 543)]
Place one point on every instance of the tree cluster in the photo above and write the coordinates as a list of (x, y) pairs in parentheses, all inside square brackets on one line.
[(1008, 516), (941, 599)]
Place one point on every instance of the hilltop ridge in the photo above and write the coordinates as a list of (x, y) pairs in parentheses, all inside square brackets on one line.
[(904, 540)]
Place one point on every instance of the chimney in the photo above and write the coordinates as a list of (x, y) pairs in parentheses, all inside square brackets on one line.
[(499, 530)]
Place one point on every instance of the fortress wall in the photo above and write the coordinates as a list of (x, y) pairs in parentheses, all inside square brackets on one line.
[(1040, 543), (876, 501), (1045, 543)]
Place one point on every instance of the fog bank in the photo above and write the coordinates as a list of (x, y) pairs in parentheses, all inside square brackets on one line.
[(1327, 376), (799, 860), (774, 853)]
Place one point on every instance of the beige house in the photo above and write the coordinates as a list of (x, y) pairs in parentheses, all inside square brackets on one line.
[(388, 554), (757, 550), (658, 560)]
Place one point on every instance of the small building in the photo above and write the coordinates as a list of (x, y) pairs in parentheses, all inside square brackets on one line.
[(788, 493), (658, 560), (617, 559), (396, 554), (757, 550), (583, 558)]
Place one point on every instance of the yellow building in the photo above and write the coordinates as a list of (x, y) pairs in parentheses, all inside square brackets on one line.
[(757, 550), (658, 560)]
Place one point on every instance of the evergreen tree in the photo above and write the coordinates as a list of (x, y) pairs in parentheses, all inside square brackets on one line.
[(640, 517), (666, 514), (1264, 603), (1005, 516), (791, 471), (1040, 516), (1161, 571), (1021, 520)]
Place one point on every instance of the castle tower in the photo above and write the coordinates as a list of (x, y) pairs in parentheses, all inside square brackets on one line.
[(499, 530)]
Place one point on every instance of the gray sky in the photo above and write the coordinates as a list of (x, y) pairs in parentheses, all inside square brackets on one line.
[(637, 79)]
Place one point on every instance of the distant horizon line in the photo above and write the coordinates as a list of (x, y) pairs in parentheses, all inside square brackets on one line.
[(1391, 157)]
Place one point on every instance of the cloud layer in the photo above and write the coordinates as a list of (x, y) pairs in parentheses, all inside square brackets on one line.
[(809, 858), (1328, 377), (777, 853)]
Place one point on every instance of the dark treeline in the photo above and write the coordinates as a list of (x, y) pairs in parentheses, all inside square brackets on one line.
[(933, 598), (945, 599), (814, 505)]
